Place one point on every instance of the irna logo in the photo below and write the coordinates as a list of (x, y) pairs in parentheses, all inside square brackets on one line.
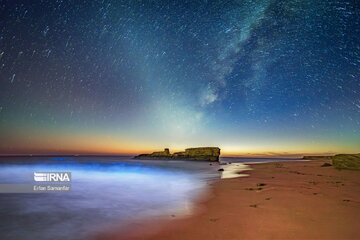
[(52, 176)]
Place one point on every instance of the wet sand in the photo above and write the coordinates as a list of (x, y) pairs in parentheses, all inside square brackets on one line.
[(288, 200)]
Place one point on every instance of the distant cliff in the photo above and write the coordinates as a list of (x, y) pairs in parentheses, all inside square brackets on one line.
[(201, 153), (317, 157)]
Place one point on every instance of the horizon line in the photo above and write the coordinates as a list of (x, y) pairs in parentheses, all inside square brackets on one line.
[(249, 155)]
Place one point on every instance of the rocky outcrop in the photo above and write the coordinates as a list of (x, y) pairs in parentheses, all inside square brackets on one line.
[(162, 154), (339, 161), (201, 154), (346, 161)]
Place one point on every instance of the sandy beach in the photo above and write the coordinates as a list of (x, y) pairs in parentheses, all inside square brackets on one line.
[(288, 200)]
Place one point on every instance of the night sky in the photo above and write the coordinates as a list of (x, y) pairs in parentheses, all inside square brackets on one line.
[(252, 77)]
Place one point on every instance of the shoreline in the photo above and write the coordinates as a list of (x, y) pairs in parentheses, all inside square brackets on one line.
[(278, 200), (146, 228)]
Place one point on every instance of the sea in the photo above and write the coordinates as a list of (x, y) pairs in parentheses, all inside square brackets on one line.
[(105, 193)]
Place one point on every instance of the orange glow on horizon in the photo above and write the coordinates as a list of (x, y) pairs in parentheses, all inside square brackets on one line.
[(109, 148), (70, 143)]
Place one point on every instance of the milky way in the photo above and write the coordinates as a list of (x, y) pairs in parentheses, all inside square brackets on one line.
[(248, 76)]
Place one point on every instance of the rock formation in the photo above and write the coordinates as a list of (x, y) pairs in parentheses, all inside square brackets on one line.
[(201, 153), (346, 161), (339, 161)]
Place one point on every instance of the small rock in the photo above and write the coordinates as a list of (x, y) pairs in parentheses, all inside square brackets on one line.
[(253, 205), (261, 184), (326, 165), (213, 219), (221, 170)]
